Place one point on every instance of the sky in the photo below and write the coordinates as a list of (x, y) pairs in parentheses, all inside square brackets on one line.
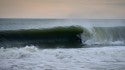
[(87, 9)]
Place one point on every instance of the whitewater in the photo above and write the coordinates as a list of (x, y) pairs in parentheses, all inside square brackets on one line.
[(32, 58), (103, 49)]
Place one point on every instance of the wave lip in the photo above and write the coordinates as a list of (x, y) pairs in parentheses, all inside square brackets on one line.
[(49, 37)]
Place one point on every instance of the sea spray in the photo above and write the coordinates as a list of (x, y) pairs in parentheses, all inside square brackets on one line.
[(107, 36)]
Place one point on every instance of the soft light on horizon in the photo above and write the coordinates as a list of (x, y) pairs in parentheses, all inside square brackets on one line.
[(95, 9)]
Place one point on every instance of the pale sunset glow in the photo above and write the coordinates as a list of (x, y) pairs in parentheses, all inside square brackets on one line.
[(87, 9)]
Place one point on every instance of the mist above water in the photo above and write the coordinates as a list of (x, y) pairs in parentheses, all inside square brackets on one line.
[(16, 24)]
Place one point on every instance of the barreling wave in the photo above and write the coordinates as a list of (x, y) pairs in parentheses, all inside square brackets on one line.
[(62, 37)]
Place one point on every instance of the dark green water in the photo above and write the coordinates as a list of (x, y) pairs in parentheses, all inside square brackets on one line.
[(61, 33)]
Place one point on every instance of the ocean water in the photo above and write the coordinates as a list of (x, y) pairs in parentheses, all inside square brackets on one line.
[(95, 44)]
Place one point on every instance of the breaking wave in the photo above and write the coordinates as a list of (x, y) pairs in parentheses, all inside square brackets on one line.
[(52, 33), (107, 36)]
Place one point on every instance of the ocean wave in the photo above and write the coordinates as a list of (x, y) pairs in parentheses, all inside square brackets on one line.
[(50, 38)]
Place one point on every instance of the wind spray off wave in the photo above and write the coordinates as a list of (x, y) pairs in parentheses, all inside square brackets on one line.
[(15, 32)]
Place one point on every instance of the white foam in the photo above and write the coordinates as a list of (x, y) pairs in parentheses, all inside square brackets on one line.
[(118, 42), (32, 58), (15, 53), (104, 42)]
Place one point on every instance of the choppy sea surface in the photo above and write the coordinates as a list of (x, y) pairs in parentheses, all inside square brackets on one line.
[(32, 58)]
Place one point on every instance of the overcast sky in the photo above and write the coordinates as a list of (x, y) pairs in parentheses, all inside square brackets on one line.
[(87, 9)]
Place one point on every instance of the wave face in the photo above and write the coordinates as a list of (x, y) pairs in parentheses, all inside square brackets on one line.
[(44, 38), (50, 33)]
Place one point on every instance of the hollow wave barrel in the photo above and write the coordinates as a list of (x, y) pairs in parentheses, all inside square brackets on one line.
[(62, 37)]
